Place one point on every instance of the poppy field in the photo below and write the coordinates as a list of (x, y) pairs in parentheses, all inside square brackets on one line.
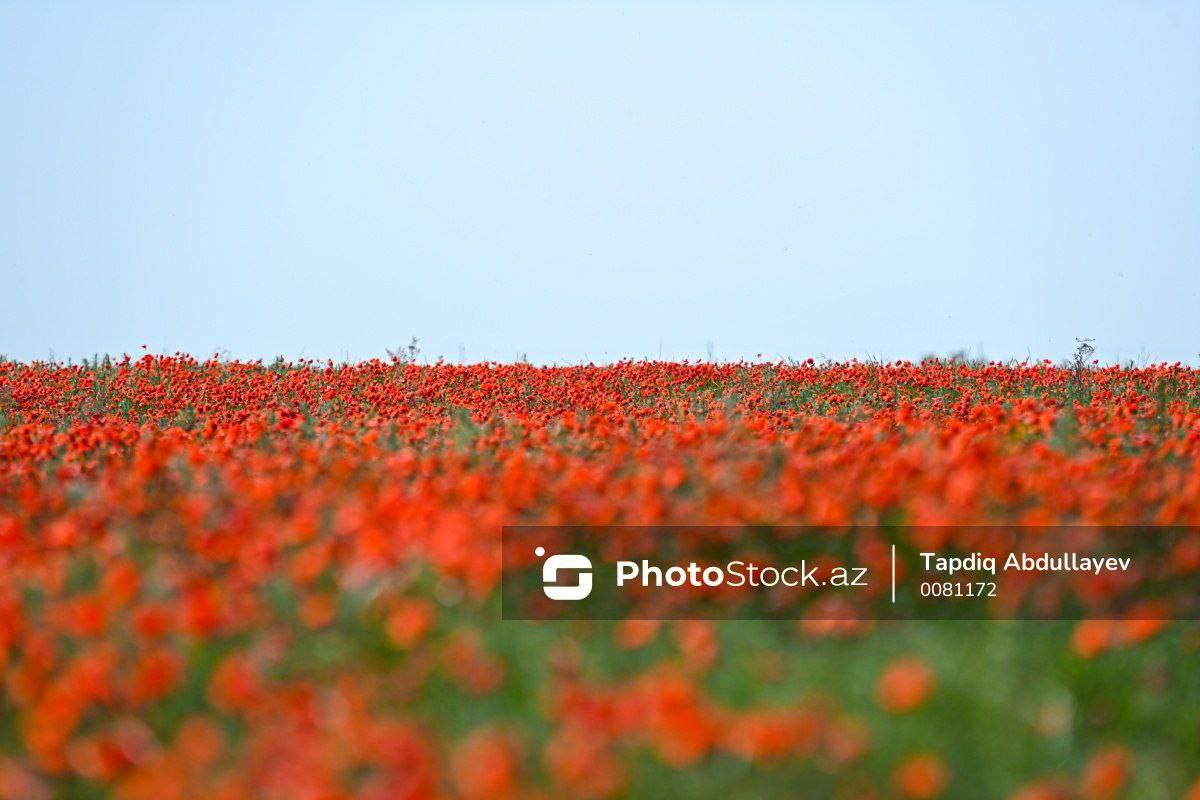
[(230, 580)]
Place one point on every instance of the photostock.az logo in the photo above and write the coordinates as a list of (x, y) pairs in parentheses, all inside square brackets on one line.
[(581, 565)]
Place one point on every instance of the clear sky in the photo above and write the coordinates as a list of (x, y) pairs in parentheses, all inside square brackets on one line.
[(576, 181)]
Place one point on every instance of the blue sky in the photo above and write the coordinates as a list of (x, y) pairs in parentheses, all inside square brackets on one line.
[(574, 181)]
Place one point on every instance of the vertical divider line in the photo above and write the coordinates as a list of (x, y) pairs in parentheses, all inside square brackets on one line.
[(893, 574)]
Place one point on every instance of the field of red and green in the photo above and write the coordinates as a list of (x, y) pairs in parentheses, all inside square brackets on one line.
[(238, 580)]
